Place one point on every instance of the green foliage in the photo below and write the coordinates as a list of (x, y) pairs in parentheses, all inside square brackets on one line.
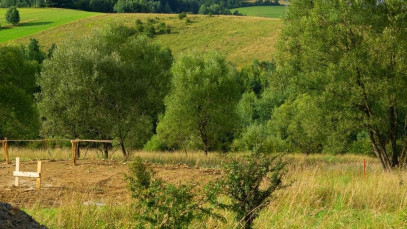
[(109, 85), (201, 107), (151, 29), (154, 144), (33, 51), (249, 186), (159, 204), (13, 16), (298, 125), (349, 59), (18, 111), (182, 15)]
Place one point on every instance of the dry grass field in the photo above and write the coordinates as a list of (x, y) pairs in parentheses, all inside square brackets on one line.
[(324, 191)]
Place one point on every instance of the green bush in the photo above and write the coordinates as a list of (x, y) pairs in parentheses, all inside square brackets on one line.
[(155, 144), (13, 16), (182, 15), (249, 185), (161, 205)]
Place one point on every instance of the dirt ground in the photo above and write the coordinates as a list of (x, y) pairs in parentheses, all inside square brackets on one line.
[(95, 181)]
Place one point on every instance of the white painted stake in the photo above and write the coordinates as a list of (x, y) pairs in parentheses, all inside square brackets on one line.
[(19, 174)]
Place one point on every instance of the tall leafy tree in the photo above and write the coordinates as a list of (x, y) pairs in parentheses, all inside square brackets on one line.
[(350, 58), (108, 85), (18, 112), (201, 107)]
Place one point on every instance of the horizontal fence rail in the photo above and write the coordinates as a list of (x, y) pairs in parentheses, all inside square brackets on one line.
[(74, 143)]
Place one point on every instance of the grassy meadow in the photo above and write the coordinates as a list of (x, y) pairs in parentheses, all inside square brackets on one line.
[(241, 39), (35, 20), (263, 11), (323, 191)]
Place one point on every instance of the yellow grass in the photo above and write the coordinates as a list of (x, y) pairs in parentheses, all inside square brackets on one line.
[(323, 191)]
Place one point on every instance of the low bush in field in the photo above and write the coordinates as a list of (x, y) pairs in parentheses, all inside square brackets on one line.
[(249, 186), (159, 204)]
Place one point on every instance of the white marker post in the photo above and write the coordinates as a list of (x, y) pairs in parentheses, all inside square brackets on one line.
[(19, 174)]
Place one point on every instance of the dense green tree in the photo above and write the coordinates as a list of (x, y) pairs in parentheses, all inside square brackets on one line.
[(350, 59), (108, 85), (33, 51), (18, 112), (201, 107), (12, 15)]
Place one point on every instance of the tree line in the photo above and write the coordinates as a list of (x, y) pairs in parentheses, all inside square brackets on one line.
[(337, 85), (141, 6)]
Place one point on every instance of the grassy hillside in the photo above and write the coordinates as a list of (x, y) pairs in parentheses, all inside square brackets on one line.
[(35, 20), (263, 11), (241, 39)]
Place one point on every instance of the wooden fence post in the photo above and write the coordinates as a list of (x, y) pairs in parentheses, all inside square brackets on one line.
[(5, 149), (73, 152), (17, 179), (77, 150), (38, 181)]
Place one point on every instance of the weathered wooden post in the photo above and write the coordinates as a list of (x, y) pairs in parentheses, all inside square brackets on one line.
[(77, 150), (38, 181), (73, 152), (5, 149), (19, 174), (17, 178)]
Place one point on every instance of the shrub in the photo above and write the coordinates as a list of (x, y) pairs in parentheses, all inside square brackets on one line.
[(149, 30), (182, 15), (12, 15), (163, 28), (155, 144), (249, 185), (161, 205)]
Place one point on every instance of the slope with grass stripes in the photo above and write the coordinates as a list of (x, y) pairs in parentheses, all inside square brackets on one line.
[(36, 20), (241, 39)]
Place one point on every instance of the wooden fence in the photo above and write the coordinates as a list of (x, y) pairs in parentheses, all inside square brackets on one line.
[(74, 143)]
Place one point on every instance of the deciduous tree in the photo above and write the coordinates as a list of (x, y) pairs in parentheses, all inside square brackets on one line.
[(108, 85), (350, 58), (201, 107)]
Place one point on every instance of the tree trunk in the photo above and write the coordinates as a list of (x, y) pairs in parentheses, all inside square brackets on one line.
[(248, 221), (393, 137), (125, 155)]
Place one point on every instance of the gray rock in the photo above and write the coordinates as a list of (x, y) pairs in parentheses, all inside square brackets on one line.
[(14, 218)]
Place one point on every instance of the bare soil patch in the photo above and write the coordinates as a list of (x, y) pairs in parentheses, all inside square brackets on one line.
[(95, 181)]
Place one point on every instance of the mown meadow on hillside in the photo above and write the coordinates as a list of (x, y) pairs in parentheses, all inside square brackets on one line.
[(241, 39), (263, 11), (33, 20)]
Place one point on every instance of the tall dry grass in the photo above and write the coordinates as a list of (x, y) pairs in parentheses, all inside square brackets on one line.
[(324, 191)]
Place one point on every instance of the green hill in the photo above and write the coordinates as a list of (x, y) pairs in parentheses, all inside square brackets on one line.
[(35, 20), (241, 39), (263, 11)]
